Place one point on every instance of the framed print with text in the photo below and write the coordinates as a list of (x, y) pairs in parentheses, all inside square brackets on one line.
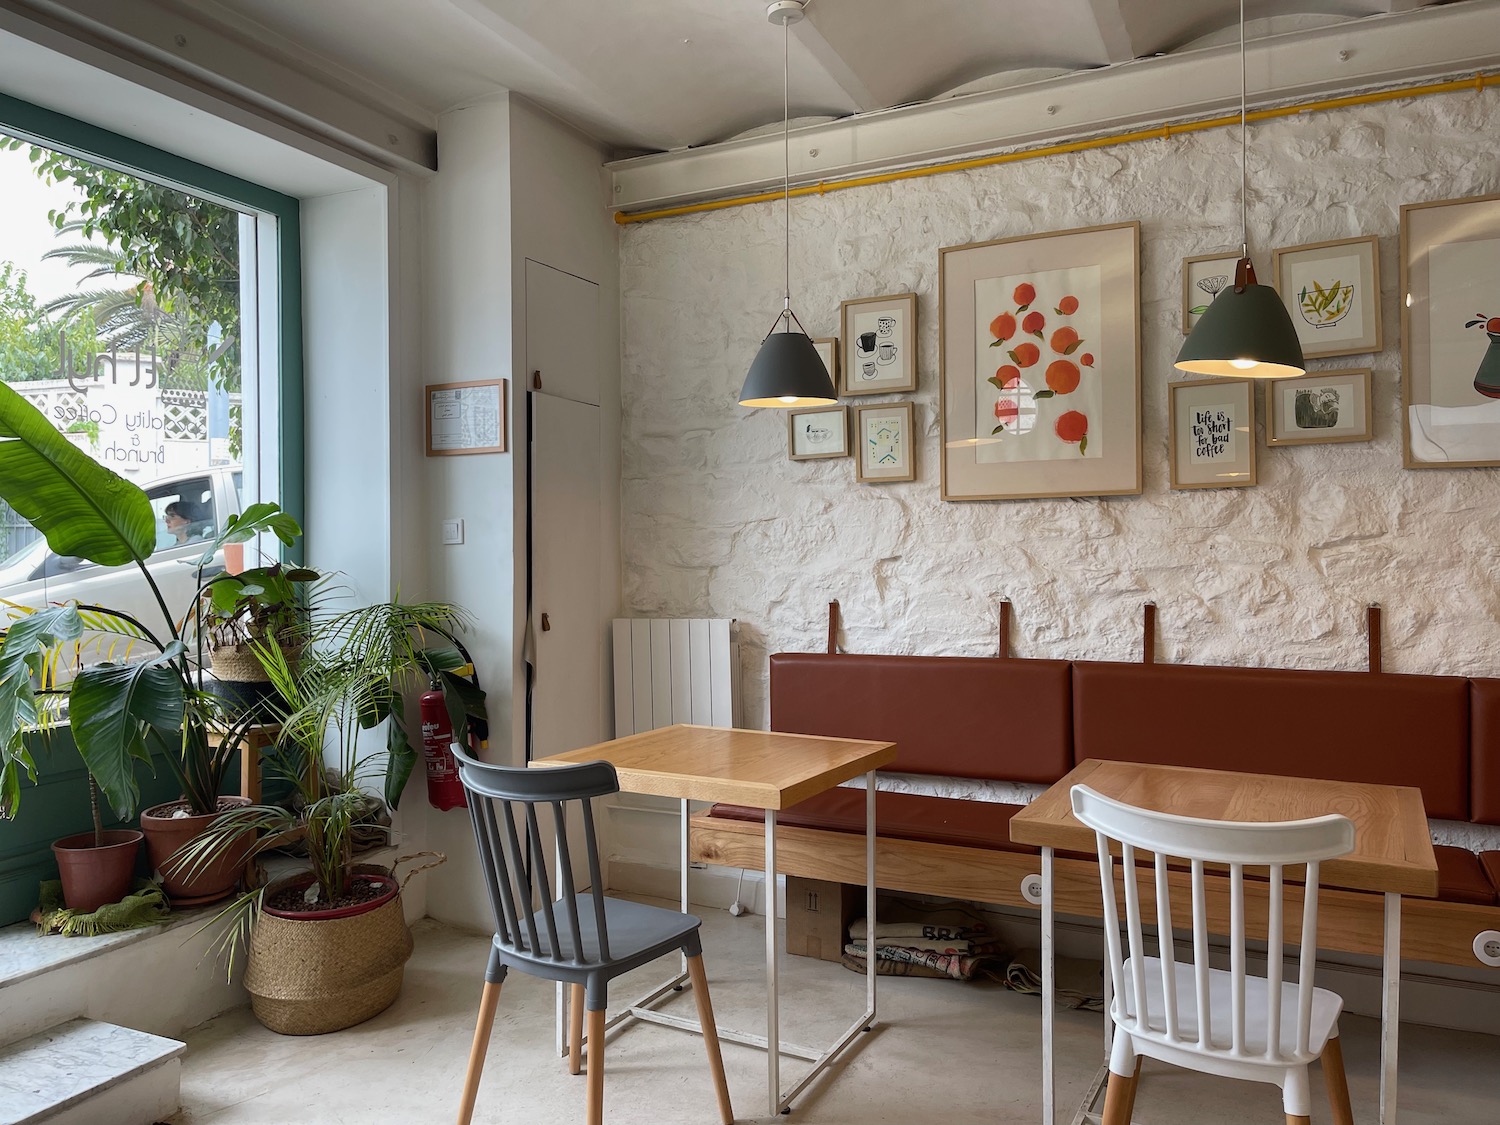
[(1450, 333), (884, 434), (467, 417), (1211, 432), (879, 338), (822, 431), (1039, 347), (1332, 291), (1320, 408)]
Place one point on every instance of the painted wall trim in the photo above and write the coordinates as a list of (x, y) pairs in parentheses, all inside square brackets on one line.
[(174, 45), (1418, 46)]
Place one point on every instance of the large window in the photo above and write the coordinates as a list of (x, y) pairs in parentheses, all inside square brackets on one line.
[(148, 307)]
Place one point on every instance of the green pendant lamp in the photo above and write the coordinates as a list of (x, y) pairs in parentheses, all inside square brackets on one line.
[(787, 370), (1246, 331)]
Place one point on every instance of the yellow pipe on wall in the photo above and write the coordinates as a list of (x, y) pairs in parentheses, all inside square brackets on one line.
[(1158, 132)]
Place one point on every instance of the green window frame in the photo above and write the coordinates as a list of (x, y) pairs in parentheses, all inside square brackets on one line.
[(67, 134)]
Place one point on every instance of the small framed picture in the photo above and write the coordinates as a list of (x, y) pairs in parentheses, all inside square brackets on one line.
[(813, 434), (465, 417), (828, 351), (1212, 429), (1320, 408), (1203, 278), (1450, 333), (1332, 290), (886, 435), (879, 336)]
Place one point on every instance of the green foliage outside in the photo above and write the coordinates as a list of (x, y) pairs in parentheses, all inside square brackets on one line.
[(28, 335)]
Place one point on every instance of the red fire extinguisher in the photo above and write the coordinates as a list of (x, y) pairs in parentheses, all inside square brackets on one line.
[(444, 790)]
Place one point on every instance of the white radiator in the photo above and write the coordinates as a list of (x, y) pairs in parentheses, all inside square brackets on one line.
[(678, 670)]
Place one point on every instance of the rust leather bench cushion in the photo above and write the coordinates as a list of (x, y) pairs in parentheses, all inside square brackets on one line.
[(903, 816), (1462, 877), (1484, 748), (1342, 726), (952, 716)]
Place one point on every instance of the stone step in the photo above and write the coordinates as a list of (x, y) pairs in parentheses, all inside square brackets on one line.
[(85, 1073)]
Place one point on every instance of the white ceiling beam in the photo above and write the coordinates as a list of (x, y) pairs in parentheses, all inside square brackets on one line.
[(1432, 42), (837, 67), (172, 44), (1114, 34)]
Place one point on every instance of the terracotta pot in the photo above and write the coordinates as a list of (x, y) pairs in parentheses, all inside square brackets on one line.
[(93, 876), (166, 834), (308, 974)]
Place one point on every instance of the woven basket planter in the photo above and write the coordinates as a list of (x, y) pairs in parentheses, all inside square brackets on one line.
[(311, 975)]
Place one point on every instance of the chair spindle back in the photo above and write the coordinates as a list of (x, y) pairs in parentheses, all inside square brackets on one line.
[(1236, 845)]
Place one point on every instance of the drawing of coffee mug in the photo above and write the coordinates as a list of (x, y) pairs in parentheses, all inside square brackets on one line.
[(816, 435), (887, 354), (887, 325), (866, 342), (867, 369)]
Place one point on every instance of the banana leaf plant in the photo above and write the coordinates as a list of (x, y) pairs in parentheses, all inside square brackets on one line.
[(118, 711)]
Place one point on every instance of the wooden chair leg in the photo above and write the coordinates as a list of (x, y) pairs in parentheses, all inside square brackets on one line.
[(595, 1103), (575, 1029), (1119, 1097), (1298, 1119), (487, 1004), (710, 1036), (1337, 1082)]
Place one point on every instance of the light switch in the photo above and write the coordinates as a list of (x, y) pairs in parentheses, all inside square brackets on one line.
[(453, 531)]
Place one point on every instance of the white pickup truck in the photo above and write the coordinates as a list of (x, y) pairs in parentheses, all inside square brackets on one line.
[(35, 577)]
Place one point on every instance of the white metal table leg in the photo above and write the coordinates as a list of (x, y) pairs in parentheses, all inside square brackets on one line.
[(1390, 1008), (1049, 995), (870, 973), (773, 950)]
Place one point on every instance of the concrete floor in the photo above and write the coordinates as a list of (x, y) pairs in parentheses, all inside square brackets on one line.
[(944, 1052)]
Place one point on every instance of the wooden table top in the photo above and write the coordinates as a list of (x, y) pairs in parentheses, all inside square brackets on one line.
[(761, 769), (1392, 844)]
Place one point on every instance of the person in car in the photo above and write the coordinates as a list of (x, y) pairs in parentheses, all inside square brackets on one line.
[(179, 516)]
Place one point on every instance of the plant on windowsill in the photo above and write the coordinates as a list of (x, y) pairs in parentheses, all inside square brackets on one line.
[(326, 948), (253, 607), (118, 711)]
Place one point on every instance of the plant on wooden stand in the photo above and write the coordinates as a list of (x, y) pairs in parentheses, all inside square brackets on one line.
[(326, 948), (118, 711)]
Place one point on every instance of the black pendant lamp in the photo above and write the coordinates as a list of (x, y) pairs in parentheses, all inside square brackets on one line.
[(787, 370), (1246, 331)]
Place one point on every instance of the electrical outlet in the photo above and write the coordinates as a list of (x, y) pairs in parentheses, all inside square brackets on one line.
[(453, 532)]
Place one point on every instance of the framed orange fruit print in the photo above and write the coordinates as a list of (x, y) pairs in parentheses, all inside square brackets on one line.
[(1040, 355)]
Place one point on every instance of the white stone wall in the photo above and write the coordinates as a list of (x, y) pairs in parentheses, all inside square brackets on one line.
[(718, 522)]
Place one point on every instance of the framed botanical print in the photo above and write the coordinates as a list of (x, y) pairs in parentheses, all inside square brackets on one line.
[(1041, 372), (1211, 429), (1320, 408), (1203, 278), (1450, 333), (886, 438), (879, 336), (820, 432), (1332, 291)]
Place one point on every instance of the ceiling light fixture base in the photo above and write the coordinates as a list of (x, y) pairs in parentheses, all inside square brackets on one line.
[(784, 12)]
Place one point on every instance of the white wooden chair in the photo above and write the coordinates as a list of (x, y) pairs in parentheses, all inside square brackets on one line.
[(1212, 1020)]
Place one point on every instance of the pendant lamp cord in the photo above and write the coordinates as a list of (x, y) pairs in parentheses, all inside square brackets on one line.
[(786, 157), (1244, 176)]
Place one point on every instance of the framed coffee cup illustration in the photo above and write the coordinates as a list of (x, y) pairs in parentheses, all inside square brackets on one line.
[(879, 340)]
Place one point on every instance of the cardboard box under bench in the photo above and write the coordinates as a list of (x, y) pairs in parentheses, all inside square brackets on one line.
[(818, 914)]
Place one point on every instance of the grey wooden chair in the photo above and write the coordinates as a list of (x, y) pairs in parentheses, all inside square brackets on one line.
[(581, 940)]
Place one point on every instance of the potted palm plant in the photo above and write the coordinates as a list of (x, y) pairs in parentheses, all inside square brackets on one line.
[(119, 711), (327, 946)]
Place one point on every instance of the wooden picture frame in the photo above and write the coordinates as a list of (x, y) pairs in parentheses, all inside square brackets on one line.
[(1320, 408), (878, 353), (1203, 278), (827, 348), (465, 417), (1450, 276), (817, 432), (1211, 433), (886, 442), (1040, 356), (1332, 292)]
